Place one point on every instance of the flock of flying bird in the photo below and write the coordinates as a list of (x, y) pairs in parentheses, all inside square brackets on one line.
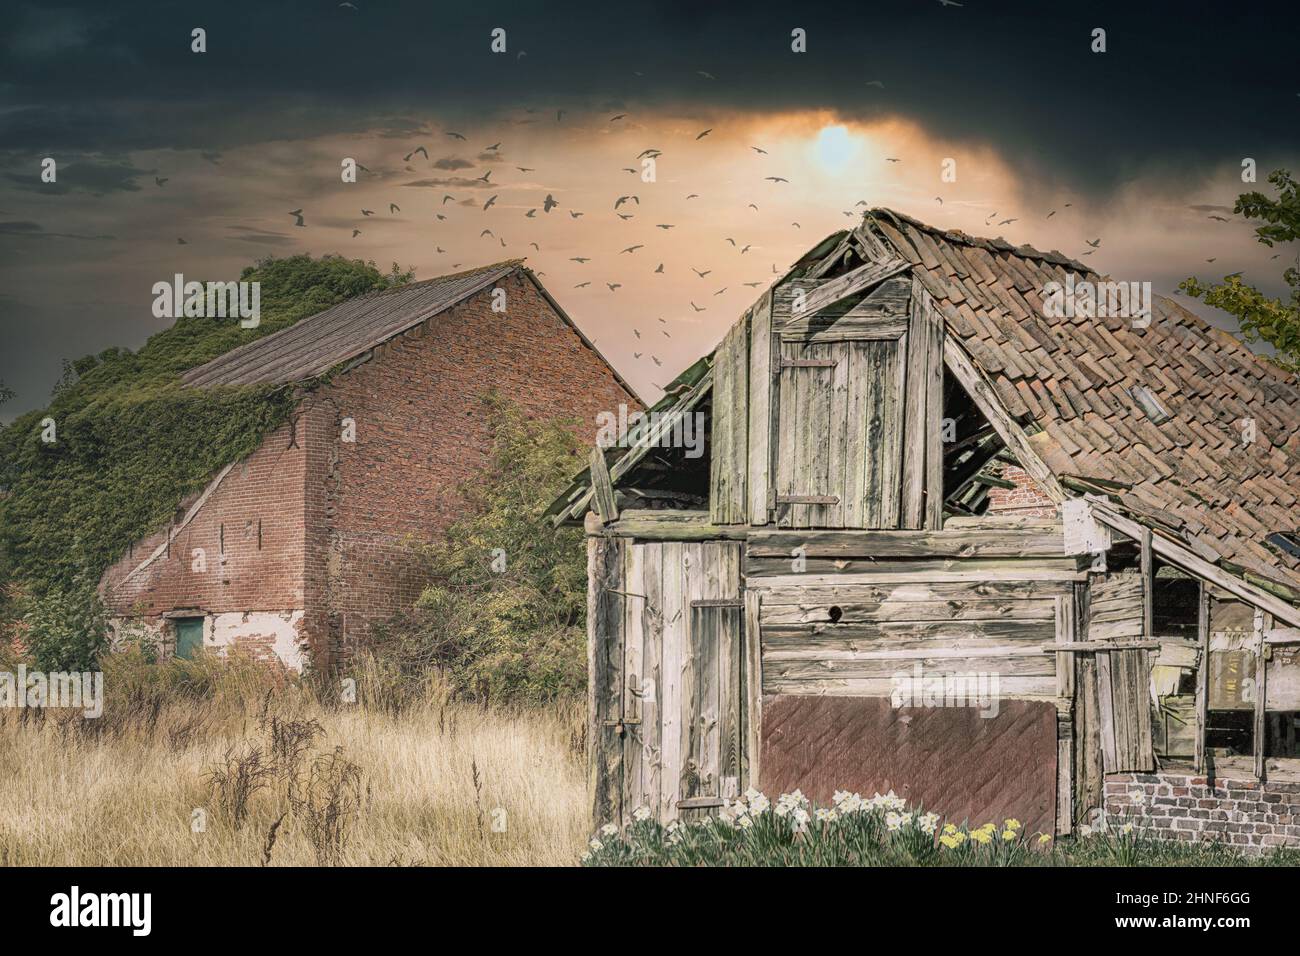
[(626, 207)]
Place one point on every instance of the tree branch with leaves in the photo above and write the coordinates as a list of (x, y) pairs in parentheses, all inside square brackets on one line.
[(1263, 318)]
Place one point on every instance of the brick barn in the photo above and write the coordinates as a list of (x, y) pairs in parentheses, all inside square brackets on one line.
[(295, 551)]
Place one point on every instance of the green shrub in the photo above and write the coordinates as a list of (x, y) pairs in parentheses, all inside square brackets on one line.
[(66, 629), (504, 618)]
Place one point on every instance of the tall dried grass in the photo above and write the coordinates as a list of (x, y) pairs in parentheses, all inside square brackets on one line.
[(212, 765)]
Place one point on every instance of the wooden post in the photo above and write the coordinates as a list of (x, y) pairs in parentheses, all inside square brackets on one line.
[(1202, 674), (1263, 621), (1148, 586)]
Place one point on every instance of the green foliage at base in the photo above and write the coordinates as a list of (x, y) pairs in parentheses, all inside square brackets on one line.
[(130, 443), (504, 619), (884, 831)]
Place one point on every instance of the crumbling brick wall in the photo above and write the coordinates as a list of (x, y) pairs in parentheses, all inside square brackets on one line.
[(1236, 811), (313, 532), (1027, 499)]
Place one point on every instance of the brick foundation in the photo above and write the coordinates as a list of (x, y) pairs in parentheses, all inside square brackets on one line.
[(1182, 806)]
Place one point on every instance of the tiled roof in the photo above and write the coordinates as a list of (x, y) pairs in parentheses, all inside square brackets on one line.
[(1074, 379), (316, 344)]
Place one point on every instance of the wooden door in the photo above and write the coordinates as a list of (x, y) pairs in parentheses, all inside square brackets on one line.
[(189, 637), (839, 439), (669, 725)]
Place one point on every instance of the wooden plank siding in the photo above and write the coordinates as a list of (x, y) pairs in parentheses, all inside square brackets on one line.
[(853, 640), (761, 419), (729, 452)]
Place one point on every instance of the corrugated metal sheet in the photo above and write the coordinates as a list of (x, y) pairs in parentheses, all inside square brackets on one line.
[(948, 760), (318, 343)]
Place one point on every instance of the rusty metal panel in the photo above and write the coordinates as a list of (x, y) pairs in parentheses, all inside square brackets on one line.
[(950, 760)]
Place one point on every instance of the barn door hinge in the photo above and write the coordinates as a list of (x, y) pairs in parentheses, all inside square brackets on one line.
[(717, 602), (622, 724), (808, 362)]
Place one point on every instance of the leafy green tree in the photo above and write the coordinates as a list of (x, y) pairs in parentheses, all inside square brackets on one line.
[(1271, 320), (504, 618), (6, 393)]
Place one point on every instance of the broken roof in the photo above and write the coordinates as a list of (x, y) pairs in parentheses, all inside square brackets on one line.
[(1222, 471), (1218, 468), (318, 343)]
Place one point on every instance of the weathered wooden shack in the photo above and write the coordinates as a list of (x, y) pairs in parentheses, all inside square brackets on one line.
[(825, 599)]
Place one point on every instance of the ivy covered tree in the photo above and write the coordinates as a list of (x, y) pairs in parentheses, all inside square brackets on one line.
[(1262, 318)]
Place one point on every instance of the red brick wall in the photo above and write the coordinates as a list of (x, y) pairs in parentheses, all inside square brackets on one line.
[(265, 488), (421, 431), (1241, 813), (1027, 499), (338, 517)]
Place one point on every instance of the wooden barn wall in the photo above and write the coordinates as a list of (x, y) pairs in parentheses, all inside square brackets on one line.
[(1117, 613), (885, 628), (667, 677)]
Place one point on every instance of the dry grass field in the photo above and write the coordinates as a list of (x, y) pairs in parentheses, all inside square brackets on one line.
[(199, 765)]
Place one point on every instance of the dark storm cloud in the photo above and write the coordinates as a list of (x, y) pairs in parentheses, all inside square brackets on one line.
[(452, 163), (96, 177), (1019, 74), (26, 229)]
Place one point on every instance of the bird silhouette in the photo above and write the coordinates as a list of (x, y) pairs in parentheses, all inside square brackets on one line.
[(181, 242), (492, 149), (575, 215), (583, 285), (483, 178), (757, 150), (1093, 242), (418, 149), (664, 225), (161, 181), (367, 212), (393, 207), (297, 214), (699, 273), (447, 197), (615, 119), (622, 199), (456, 135), (579, 259), (632, 249), (549, 203), (776, 179), (490, 202), (698, 308), (614, 285), (705, 133), (660, 269), (531, 214), (355, 233)]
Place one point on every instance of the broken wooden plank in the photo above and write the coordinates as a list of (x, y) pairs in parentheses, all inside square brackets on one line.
[(831, 291), (602, 487)]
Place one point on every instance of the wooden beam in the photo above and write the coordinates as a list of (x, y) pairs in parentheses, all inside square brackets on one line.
[(1148, 585), (841, 287), (667, 526), (1202, 673), (760, 408), (1048, 542), (1282, 635), (1181, 557), (934, 336), (990, 406), (602, 487), (1263, 621), (753, 688)]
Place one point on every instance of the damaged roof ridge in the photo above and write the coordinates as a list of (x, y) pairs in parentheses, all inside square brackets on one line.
[(997, 245)]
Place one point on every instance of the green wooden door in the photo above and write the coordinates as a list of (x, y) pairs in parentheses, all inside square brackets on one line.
[(189, 637)]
